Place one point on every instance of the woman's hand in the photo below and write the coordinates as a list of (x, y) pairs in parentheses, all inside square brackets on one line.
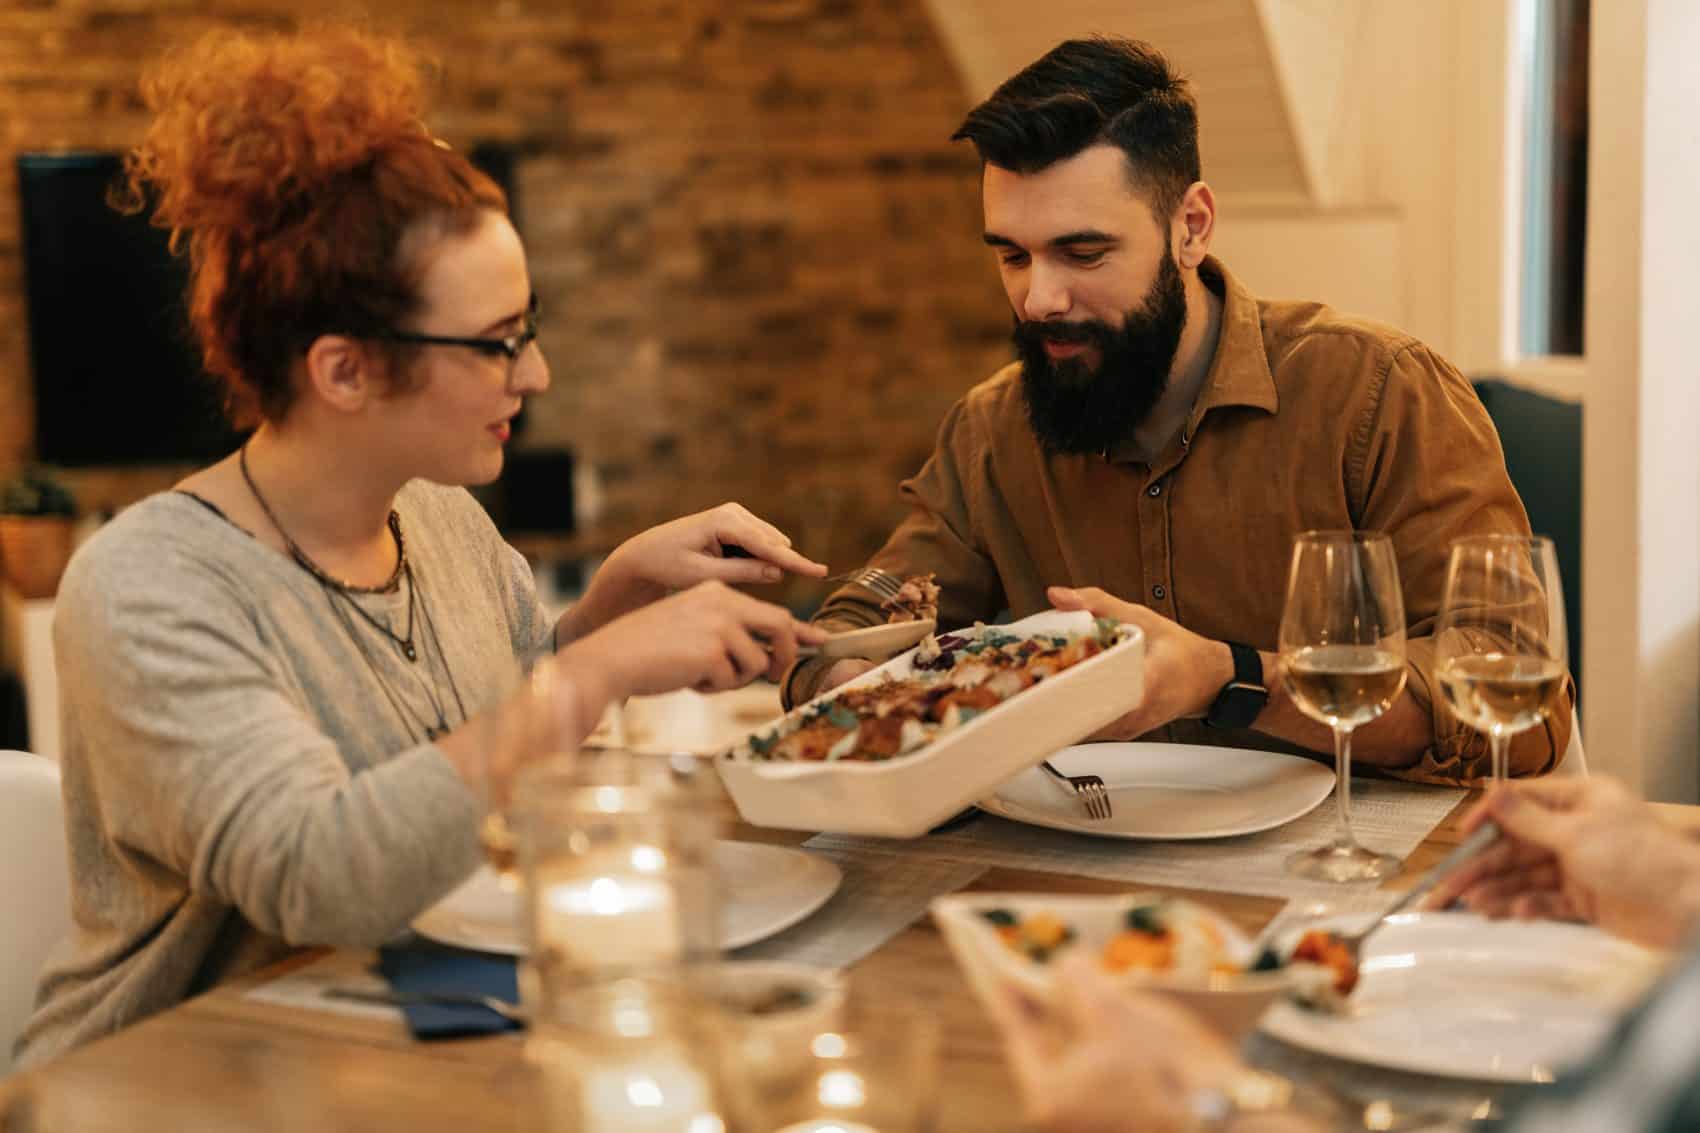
[(681, 554), (1581, 849), (709, 637)]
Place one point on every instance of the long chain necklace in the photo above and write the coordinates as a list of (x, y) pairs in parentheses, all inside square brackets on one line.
[(410, 719), (436, 642), (339, 594), (402, 641)]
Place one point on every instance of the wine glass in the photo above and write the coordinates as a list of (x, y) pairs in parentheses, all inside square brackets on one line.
[(1343, 657), (1500, 644), (530, 728)]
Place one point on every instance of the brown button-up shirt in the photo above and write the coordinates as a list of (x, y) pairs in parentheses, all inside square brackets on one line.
[(1307, 419)]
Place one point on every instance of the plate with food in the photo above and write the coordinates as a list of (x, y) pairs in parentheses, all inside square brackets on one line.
[(764, 890), (1456, 995), (899, 749), (1171, 792), (1012, 942)]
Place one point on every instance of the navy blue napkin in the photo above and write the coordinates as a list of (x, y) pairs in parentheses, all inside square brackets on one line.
[(422, 966)]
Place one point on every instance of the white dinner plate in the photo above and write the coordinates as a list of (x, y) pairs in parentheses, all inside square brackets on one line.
[(692, 722), (1168, 791), (764, 890), (1456, 995)]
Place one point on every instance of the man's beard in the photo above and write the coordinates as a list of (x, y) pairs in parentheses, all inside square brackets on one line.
[(1075, 408)]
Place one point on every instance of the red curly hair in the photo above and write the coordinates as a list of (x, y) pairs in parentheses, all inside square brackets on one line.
[(294, 166)]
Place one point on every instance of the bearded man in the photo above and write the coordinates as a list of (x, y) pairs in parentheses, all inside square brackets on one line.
[(1165, 434)]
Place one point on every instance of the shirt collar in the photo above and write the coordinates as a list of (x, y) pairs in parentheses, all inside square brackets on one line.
[(1239, 373)]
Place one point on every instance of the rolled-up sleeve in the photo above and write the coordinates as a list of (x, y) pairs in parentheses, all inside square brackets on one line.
[(937, 537), (1425, 466)]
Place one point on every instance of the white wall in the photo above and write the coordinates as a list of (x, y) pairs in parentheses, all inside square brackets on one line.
[(1355, 259), (1390, 143), (1641, 504)]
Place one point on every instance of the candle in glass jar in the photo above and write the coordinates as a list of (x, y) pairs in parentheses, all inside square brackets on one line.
[(610, 920), (660, 1094)]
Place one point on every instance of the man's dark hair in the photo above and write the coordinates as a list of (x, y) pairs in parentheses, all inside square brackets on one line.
[(1085, 92)]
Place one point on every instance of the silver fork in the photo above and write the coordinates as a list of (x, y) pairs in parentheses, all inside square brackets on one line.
[(509, 1011), (1088, 788), (881, 582)]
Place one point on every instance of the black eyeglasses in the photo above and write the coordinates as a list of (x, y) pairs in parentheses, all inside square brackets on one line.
[(509, 346)]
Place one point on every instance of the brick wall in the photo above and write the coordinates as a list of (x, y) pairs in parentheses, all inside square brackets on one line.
[(757, 253)]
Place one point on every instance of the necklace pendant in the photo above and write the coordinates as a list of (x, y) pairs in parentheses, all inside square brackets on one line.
[(436, 732), (408, 651)]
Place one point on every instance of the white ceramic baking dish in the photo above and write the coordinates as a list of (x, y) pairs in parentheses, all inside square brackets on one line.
[(908, 795)]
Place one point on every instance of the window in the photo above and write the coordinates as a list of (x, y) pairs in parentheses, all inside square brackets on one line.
[(1552, 71)]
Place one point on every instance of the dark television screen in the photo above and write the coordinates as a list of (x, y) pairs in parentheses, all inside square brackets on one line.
[(116, 378)]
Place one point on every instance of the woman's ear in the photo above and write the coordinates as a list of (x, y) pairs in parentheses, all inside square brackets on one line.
[(342, 372)]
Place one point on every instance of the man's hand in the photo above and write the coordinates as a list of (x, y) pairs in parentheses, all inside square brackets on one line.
[(843, 672), (1184, 671)]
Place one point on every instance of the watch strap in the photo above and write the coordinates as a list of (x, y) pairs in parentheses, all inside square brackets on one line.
[(1242, 699)]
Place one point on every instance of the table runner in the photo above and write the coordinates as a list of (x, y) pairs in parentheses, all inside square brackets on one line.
[(305, 986), (884, 891), (1388, 815)]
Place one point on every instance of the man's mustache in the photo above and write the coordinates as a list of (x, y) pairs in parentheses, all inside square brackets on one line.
[(1065, 333)]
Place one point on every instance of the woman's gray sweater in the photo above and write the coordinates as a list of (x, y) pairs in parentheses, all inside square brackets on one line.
[(246, 770)]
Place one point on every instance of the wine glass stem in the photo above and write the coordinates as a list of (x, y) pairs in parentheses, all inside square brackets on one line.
[(1343, 838), (1500, 745)]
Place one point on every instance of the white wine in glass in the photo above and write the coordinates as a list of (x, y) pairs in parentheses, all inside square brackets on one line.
[(1352, 683), (1501, 642), (1343, 660)]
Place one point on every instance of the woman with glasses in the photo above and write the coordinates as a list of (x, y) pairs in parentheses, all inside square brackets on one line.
[(290, 684)]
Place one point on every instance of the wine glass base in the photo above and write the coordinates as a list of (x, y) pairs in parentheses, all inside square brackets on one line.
[(1342, 864)]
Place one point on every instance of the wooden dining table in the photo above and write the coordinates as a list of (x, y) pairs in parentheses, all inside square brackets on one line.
[(223, 1061)]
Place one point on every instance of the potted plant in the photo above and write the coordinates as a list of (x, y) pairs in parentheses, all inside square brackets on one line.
[(37, 518)]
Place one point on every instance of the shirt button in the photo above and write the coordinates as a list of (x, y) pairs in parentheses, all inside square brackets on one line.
[(1158, 592), (1154, 491)]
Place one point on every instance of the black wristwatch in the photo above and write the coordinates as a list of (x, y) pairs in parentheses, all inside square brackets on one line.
[(1243, 698)]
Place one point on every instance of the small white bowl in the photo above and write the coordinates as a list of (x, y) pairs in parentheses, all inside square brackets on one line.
[(1231, 1003)]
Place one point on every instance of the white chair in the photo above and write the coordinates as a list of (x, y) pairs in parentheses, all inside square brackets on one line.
[(1574, 765), (35, 885)]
